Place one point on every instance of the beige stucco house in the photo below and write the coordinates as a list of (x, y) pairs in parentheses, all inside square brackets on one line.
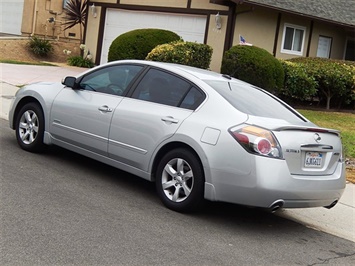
[(285, 28)]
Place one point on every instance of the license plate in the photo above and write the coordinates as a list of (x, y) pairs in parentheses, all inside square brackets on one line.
[(313, 159)]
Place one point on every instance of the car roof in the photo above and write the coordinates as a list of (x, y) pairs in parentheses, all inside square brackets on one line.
[(199, 73)]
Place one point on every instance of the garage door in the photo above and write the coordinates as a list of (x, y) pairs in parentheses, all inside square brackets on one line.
[(11, 16), (190, 28)]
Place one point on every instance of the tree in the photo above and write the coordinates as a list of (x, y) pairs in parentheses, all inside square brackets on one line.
[(335, 78), (75, 13)]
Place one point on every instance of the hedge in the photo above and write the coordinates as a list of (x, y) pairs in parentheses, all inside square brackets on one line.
[(254, 65), (335, 78), (137, 44), (298, 85), (185, 53)]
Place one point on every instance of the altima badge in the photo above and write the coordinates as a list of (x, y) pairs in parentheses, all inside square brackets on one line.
[(317, 138)]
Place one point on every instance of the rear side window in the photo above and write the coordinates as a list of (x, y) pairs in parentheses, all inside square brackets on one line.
[(253, 101), (164, 88)]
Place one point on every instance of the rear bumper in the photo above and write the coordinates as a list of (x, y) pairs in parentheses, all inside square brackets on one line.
[(270, 181)]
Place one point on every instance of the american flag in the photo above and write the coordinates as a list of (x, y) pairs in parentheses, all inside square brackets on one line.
[(242, 41)]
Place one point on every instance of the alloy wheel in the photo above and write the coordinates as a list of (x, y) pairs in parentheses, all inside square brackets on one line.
[(177, 180), (28, 127)]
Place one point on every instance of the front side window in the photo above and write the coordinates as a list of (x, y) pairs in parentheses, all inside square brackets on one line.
[(111, 80), (293, 39)]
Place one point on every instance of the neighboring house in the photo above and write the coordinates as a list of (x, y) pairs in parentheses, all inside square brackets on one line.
[(288, 28), (46, 18)]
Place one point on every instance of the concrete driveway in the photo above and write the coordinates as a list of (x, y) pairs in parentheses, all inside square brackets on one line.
[(337, 221)]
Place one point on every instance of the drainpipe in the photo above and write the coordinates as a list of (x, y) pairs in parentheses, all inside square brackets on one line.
[(34, 19)]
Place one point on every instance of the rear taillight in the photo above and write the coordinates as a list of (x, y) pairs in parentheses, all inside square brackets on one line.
[(257, 140), (263, 146)]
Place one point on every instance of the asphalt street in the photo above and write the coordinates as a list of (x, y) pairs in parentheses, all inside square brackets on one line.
[(64, 209), (60, 208)]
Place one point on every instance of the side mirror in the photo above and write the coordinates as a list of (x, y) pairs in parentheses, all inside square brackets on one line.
[(70, 82)]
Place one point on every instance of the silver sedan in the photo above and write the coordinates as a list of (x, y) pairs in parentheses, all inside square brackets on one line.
[(195, 133)]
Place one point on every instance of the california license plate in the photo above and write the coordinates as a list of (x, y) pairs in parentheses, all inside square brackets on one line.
[(313, 159)]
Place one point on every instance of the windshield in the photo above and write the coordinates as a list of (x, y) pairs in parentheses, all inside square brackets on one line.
[(253, 101)]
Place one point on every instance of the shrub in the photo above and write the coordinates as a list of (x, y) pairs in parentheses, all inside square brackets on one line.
[(137, 44), (335, 78), (84, 60), (79, 61), (298, 83), (185, 53), (75, 14), (40, 47), (254, 65)]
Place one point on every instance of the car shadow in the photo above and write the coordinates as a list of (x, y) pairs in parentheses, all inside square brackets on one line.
[(214, 212)]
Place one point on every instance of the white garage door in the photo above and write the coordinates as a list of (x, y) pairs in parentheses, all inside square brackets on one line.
[(190, 28), (11, 16)]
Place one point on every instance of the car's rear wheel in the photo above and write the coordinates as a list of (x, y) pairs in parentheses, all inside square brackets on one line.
[(180, 180), (30, 127)]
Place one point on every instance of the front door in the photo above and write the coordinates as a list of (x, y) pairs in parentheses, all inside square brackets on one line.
[(324, 46), (82, 117)]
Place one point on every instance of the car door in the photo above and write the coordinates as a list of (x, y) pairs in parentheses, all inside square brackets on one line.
[(150, 116), (82, 117)]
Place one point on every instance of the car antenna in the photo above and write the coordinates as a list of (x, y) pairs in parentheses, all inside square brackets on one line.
[(226, 76)]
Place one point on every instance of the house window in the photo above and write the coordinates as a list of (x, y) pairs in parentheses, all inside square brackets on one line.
[(293, 39), (350, 50), (65, 2)]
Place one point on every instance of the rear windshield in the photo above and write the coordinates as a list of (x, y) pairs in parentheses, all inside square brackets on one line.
[(253, 101)]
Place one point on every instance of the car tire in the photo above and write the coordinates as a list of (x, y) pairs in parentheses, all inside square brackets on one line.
[(180, 180), (30, 127)]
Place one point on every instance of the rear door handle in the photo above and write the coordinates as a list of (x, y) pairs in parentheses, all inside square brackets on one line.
[(105, 109), (170, 119)]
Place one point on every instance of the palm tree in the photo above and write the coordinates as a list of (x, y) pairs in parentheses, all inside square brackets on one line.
[(75, 13)]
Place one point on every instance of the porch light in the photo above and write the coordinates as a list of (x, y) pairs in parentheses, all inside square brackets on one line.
[(93, 10), (218, 21)]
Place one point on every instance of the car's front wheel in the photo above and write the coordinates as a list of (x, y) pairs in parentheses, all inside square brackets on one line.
[(30, 127), (180, 180)]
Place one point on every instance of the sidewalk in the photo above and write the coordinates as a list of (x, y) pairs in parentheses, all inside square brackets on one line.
[(339, 221), (13, 76), (18, 75)]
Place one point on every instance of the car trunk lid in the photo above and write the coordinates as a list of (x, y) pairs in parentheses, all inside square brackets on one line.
[(309, 150)]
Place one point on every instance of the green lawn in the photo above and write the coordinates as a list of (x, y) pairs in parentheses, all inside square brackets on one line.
[(345, 122)]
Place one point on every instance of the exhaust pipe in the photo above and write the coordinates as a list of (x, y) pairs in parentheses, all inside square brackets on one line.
[(331, 205), (276, 206)]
